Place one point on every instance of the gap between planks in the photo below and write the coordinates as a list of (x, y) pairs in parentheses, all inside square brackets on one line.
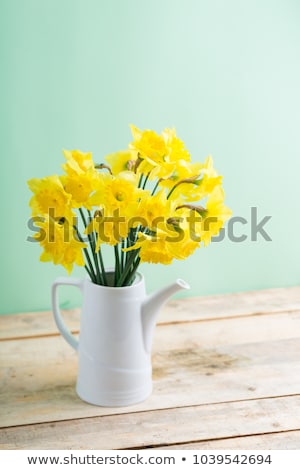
[(161, 323), (137, 412), (191, 308), (160, 427), (213, 442)]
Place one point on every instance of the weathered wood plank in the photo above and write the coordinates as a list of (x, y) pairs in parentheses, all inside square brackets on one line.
[(190, 309), (289, 440), (144, 429), (194, 363), (32, 324)]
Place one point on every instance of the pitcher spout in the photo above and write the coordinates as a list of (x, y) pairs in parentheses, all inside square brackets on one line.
[(151, 307)]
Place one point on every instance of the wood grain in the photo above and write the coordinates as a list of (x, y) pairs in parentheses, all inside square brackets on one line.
[(144, 429), (193, 364), (226, 375), (267, 301), (289, 440)]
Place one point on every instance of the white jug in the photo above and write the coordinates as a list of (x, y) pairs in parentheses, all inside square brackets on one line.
[(114, 347)]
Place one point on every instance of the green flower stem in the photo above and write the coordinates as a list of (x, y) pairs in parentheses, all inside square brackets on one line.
[(102, 266), (92, 245), (155, 188), (117, 264), (140, 181), (92, 239), (83, 217), (128, 267), (100, 257), (191, 180), (146, 179), (128, 244), (99, 277), (122, 254), (174, 187), (90, 270), (130, 278), (93, 277)]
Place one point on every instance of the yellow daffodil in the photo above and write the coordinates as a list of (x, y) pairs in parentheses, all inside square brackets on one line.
[(186, 241), (77, 162), (215, 215), (116, 191), (148, 144), (158, 154), (153, 249), (121, 191), (117, 203), (194, 182), (154, 210), (208, 181), (49, 197), (182, 170), (152, 153), (59, 242), (175, 147), (183, 247), (110, 227), (124, 160), (81, 178), (165, 244), (81, 186)]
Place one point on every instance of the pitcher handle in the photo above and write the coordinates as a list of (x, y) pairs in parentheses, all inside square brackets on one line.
[(64, 281)]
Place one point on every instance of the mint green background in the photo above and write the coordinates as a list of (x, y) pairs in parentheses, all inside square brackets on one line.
[(224, 73)]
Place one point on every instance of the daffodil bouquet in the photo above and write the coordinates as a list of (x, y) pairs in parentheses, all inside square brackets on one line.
[(149, 202)]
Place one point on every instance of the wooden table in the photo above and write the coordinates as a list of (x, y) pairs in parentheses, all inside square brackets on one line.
[(226, 373)]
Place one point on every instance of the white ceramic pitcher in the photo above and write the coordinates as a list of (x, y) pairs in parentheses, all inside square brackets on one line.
[(115, 340)]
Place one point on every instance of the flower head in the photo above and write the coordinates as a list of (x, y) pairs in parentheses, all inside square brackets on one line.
[(157, 154), (77, 162), (110, 227), (215, 215), (81, 187), (117, 201), (153, 249), (124, 160), (193, 181), (175, 147), (121, 191), (49, 195), (59, 242), (149, 145), (154, 210)]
